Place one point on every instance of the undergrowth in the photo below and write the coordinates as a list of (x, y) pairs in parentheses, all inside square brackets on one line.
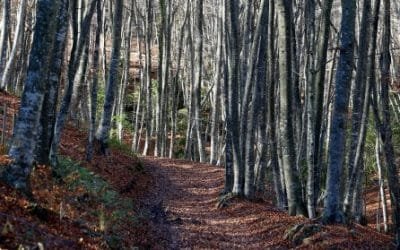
[(112, 210)]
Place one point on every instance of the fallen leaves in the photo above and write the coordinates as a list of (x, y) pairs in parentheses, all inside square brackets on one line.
[(153, 204)]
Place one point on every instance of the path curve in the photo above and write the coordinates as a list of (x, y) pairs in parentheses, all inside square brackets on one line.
[(182, 205)]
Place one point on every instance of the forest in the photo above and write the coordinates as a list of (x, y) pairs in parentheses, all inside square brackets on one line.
[(212, 124)]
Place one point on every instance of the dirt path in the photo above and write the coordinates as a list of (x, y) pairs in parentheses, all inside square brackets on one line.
[(183, 208)]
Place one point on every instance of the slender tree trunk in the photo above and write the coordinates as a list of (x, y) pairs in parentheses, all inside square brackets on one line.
[(248, 127), (19, 33), (310, 107), (149, 109), (103, 131), (386, 129), (293, 187), (198, 73), (94, 85), (175, 87), (382, 194), (232, 115), (76, 52), (360, 100), (332, 211), (4, 36), (322, 52)]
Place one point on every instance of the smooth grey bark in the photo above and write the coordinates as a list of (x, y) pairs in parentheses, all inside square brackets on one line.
[(279, 186), (251, 99), (94, 86), (292, 180), (5, 33), (198, 74), (175, 85), (190, 95), (125, 75), (321, 63), (332, 211), (103, 131), (140, 106), (310, 32), (382, 195), (76, 53), (25, 129), (22, 61), (229, 160), (246, 35), (232, 107), (216, 109), (19, 33), (78, 92), (162, 78), (148, 91)]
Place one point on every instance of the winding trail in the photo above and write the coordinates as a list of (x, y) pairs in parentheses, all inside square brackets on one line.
[(182, 205)]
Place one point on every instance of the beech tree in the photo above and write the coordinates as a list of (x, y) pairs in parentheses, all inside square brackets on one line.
[(280, 93), (26, 127)]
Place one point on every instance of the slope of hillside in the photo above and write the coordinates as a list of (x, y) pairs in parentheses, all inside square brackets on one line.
[(119, 201)]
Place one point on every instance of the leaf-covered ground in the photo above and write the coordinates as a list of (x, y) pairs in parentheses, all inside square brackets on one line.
[(120, 201)]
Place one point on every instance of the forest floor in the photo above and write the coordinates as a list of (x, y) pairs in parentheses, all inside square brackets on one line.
[(119, 201)]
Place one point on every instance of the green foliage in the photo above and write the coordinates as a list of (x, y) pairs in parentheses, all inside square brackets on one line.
[(369, 150), (101, 96), (77, 177), (124, 119), (114, 143), (180, 147)]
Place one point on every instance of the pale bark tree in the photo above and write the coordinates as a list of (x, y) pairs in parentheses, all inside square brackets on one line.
[(148, 91), (19, 33), (198, 21), (94, 86), (5, 33), (103, 131), (292, 180), (78, 45)]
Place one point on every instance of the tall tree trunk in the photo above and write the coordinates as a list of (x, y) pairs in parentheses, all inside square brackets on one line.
[(386, 129), (360, 100), (321, 63), (94, 85), (125, 76), (276, 171), (149, 109), (198, 73), (310, 106), (216, 109), (25, 129), (249, 107), (232, 107), (293, 187), (103, 131), (48, 114), (333, 211), (76, 53)]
